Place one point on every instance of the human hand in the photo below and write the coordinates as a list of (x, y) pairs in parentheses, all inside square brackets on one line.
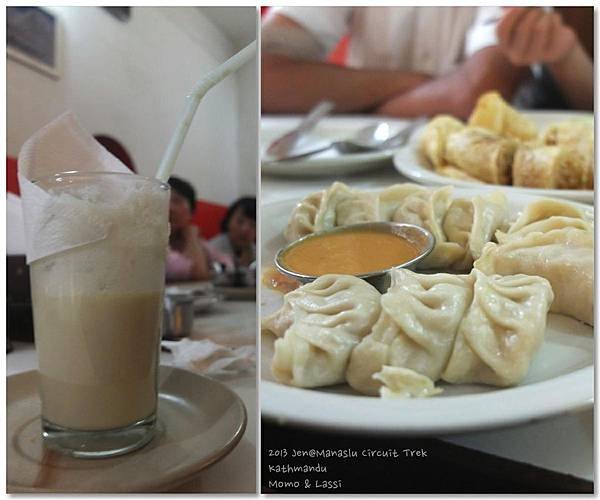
[(531, 35)]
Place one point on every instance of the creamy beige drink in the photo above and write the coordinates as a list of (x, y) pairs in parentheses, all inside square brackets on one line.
[(98, 304), (98, 367)]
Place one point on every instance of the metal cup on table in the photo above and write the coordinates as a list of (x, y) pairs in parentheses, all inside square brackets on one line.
[(178, 317)]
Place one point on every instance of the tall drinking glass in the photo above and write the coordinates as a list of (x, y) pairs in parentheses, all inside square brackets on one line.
[(97, 309)]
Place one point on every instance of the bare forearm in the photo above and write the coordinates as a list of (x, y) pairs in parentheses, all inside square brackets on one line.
[(200, 269), (293, 86), (457, 92), (430, 99), (575, 77)]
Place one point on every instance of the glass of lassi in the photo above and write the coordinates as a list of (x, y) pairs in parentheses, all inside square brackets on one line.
[(97, 307)]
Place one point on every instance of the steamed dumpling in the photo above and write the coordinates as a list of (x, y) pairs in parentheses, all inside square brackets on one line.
[(401, 383), (302, 220), (326, 217), (318, 326), (490, 213), (338, 205), (544, 226), (420, 314), (472, 223), (394, 196), (342, 206), (360, 207), (502, 330), (565, 257), (427, 209), (543, 209)]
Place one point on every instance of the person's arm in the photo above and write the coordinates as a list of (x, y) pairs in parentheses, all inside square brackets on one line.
[(294, 81), (530, 36), (575, 77), (457, 92), (194, 251)]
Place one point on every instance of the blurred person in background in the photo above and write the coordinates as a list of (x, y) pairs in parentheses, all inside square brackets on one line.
[(237, 240), (402, 61), (189, 256), (565, 72)]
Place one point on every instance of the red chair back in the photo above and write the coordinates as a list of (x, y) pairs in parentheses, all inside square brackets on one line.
[(208, 217), (12, 182)]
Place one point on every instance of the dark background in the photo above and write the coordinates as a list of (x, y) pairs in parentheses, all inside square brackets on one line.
[(447, 468)]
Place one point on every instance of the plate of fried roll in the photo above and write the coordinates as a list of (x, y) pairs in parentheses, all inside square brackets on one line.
[(548, 153)]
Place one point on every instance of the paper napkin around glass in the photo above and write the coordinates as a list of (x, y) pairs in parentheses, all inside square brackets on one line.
[(55, 223)]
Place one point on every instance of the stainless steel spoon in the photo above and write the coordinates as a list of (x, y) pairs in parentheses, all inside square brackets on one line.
[(375, 137)]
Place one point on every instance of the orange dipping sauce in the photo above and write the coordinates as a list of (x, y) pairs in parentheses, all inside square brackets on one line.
[(273, 279), (348, 252)]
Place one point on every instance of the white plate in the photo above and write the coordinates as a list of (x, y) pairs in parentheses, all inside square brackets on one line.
[(200, 421), (327, 163), (411, 164), (561, 377)]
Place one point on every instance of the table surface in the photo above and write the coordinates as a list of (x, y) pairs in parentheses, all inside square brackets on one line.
[(230, 323), (563, 444)]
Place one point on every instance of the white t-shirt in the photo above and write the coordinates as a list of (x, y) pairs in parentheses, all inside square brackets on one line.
[(432, 40), (222, 244)]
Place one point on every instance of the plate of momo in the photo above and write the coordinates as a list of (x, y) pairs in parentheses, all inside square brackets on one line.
[(544, 153), (494, 328)]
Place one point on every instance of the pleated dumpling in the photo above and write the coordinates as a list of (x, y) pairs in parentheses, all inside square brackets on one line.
[(326, 217), (360, 207), (338, 205), (544, 226), (318, 326), (401, 383), (490, 213), (302, 220), (420, 314), (391, 198), (426, 208), (502, 330), (543, 209), (342, 205), (565, 257), (472, 223)]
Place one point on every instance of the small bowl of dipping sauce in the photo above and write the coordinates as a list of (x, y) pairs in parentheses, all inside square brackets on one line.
[(368, 251)]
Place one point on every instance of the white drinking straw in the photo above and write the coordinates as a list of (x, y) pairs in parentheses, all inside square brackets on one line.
[(232, 64)]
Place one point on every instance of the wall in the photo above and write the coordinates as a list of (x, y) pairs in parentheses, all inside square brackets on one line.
[(129, 80), (241, 26), (248, 134)]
